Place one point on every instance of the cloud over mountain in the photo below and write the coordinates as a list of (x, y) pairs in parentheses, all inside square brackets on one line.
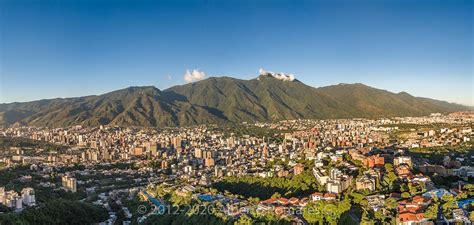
[(279, 76), (221, 100), (194, 75)]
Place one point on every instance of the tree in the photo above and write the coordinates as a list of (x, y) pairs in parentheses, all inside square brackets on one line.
[(469, 187), (379, 216), (390, 179), (388, 167), (313, 212), (244, 220), (329, 212), (412, 189), (403, 187), (367, 217), (391, 203), (357, 197), (462, 195), (432, 211), (423, 187), (448, 205), (180, 199), (276, 195), (12, 219), (61, 211), (447, 198), (406, 195), (471, 216), (264, 188), (158, 191), (254, 200)]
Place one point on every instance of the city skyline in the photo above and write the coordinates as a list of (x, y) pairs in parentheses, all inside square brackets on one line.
[(78, 48)]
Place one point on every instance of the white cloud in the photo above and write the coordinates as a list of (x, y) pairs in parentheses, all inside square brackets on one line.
[(195, 75), (169, 77), (279, 76)]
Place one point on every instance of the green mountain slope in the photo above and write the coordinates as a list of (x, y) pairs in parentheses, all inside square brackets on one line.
[(134, 106), (262, 99), (371, 102), (221, 100)]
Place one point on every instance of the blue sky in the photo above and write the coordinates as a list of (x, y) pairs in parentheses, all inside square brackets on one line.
[(72, 48)]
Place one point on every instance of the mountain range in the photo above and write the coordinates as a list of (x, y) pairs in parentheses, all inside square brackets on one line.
[(221, 100)]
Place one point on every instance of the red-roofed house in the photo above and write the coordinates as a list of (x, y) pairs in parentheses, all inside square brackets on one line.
[(282, 201), (293, 201), (270, 201), (420, 200), (410, 218), (303, 201), (407, 206), (403, 171), (317, 196), (329, 196)]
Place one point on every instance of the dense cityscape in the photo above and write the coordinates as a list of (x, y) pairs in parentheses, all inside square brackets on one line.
[(402, 170), (236, 112)]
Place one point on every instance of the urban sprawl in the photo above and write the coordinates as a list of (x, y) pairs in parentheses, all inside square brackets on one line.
[(410, 170)]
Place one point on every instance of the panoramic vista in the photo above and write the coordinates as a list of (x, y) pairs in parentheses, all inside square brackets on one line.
[(236, 112)]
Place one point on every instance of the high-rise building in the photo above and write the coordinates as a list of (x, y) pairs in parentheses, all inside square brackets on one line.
[(374, 161), (18, 202), (164, 164), (265, 151), (176, 142), (69, 183), (153, 149), (28, 196), (198, 153)]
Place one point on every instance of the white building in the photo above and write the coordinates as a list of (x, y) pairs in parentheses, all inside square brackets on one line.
[(28, 196), (402, 160)]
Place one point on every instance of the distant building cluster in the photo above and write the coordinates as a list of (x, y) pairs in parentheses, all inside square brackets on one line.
[(17, 201)]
